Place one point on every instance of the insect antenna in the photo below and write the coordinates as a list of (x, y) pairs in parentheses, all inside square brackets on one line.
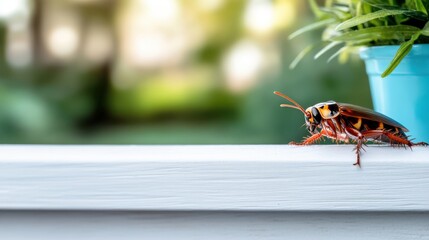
[(295, 104), (290, 106)]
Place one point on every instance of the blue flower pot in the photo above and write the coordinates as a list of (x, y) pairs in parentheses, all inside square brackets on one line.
[(404, 94)]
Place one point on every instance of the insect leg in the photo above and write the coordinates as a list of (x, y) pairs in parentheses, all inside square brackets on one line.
[(310, 140), (373, 134), (360, 138), (358, 148), (395, 139), (402, 140)]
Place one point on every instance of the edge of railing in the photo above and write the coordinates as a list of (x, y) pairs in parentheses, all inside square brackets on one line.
[(213, 178)]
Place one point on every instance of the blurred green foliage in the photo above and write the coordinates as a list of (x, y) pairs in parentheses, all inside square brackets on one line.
[(79, 103)]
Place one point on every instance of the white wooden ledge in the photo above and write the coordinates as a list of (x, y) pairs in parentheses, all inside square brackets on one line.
[(227, 178), (212, 192)]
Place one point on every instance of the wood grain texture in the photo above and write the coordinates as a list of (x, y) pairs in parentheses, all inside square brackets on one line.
[(232, 178)]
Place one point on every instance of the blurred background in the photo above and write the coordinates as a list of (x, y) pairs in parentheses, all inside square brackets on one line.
[(162, 72)]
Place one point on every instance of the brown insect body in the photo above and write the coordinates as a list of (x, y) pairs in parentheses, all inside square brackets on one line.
[(346, 122)]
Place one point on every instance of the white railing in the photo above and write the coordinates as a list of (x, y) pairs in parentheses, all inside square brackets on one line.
[(213, 192)]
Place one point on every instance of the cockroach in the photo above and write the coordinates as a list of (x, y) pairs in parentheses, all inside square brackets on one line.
[(346, 123)]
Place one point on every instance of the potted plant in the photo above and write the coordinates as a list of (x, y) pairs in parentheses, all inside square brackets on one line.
[(393, 37)]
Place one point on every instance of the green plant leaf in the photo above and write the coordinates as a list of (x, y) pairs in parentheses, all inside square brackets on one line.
[(425, 30), (421, 7), (315, 9), (300, 56), (311, 27), (325, 49), (383, 4), (336, 13), (403, 50), (418, 5), (400, 32), (341, 50), (359, 12), (417, 15), (368, 17)]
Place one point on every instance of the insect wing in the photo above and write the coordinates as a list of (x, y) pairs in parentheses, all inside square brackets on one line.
[(351, 110)]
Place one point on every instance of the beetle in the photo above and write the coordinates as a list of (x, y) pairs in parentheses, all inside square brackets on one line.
[(346, 123)]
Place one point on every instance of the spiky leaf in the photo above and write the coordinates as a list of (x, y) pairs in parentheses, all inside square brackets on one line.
[(311, 27), (352, 22), (400, 32), (403, 50)]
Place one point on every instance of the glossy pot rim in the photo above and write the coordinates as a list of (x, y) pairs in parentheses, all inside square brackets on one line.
[(389, 51)]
